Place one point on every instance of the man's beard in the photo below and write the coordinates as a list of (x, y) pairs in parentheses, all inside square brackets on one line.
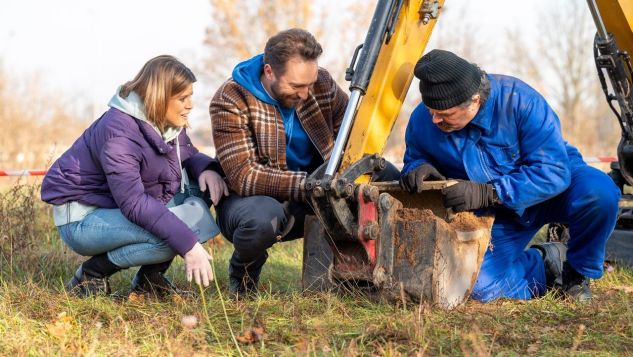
[(286, 101)]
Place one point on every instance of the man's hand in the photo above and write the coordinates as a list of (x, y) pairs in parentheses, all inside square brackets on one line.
[(197, 266), (468, 195), (412, 181), (215, 183)]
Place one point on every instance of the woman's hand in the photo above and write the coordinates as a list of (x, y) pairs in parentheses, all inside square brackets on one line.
[(198, 266), (215, 183)]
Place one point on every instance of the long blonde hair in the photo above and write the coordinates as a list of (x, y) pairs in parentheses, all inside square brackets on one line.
[(160, 79)]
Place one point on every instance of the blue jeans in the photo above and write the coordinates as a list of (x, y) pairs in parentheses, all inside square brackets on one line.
[(107, 230)]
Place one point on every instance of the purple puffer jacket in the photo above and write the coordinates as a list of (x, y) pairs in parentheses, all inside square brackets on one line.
[(122, 162)]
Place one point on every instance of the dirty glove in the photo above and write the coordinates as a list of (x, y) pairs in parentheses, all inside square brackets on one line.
[(468, 195), (412, 180)]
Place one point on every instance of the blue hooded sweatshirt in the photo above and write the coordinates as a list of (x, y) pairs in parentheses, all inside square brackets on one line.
[(301, 155)]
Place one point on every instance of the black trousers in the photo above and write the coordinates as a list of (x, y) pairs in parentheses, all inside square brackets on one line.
[(253, 224)]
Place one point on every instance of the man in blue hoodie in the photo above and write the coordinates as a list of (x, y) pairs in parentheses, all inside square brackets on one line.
[(503, 142), (274, 122)]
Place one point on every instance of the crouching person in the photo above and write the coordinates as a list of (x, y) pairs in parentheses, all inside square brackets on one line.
[(274, 122), (122, 194)]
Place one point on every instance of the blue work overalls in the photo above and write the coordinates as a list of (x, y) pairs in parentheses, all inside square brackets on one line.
[(515, 143)]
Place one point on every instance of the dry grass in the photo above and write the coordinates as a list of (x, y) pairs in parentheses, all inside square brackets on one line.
[(38, 318)]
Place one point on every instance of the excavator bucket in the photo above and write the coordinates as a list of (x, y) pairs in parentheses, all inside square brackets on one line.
[(420, 252)]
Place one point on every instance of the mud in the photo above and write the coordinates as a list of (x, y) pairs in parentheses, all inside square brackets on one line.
[(415, 214), (411, 218), (462, 222), (405, 251), (468, 222)]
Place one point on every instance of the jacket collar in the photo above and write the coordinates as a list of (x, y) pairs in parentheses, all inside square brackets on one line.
[(150, 134), (483, 119), (154, 138)]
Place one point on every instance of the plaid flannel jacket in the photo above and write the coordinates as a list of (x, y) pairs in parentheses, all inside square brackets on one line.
[(250, 140)]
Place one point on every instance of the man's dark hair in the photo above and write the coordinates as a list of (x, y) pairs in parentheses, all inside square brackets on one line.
[(290, 43)]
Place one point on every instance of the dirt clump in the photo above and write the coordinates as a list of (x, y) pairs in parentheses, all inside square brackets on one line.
[(415, 214), (468, 222)]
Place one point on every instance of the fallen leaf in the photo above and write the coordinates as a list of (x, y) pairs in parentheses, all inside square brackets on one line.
[(218, 240), (301, 345), (61, 325), (251, 335), (136, 298), (532, 348), (177, 299), (626, 289)]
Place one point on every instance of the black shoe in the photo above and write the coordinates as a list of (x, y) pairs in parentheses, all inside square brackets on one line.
[(244, 286), (84, 285), (150, 280), (554, 255), (91, 278), (575, 286), (244, 277)]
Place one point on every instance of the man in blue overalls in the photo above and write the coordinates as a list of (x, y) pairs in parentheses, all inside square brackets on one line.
[(503, 142)]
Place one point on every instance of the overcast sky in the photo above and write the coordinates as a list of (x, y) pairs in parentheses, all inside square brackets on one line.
[(85, 49)]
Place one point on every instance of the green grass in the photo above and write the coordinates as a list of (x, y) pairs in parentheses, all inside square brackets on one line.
[(38, 318)]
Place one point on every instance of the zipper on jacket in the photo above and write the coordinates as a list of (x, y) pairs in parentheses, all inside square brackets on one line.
[(182, 181)]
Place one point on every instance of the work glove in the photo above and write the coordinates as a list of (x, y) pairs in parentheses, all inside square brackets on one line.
[(468, 195), (412, 180)]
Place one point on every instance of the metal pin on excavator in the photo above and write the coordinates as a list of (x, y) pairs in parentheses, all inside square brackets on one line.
[(407, 246)]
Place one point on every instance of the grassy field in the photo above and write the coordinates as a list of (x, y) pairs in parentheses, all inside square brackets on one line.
[(38, 318)]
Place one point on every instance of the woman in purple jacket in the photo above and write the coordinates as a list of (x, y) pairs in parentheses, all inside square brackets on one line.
[(121, 193)]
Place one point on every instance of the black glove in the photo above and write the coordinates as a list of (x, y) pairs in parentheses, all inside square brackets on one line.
[(412, 180), (468, 195)]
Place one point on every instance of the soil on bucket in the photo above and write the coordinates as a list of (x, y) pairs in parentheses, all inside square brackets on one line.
[(415, 214), (407, 249), (462, 222), (468, 222)]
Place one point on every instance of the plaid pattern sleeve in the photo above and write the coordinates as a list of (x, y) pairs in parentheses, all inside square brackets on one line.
[(247, 137), (250, 139)]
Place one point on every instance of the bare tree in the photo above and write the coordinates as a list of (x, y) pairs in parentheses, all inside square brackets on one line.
[(239, 29), (562, 68), (36, 127), (453, 33)]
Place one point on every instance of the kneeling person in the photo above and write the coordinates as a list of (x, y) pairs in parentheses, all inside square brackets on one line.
[(501, 139)]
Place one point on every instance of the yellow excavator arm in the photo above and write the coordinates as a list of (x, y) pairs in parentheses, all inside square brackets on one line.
[(391, 79), (617, 16), (373, 118), (409, 244)]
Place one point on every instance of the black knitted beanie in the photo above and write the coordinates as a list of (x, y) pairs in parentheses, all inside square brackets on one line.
[(446, 80)]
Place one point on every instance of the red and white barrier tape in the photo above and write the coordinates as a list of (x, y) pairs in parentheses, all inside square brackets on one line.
[(589, 160), (22, 172), (597, 159)]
